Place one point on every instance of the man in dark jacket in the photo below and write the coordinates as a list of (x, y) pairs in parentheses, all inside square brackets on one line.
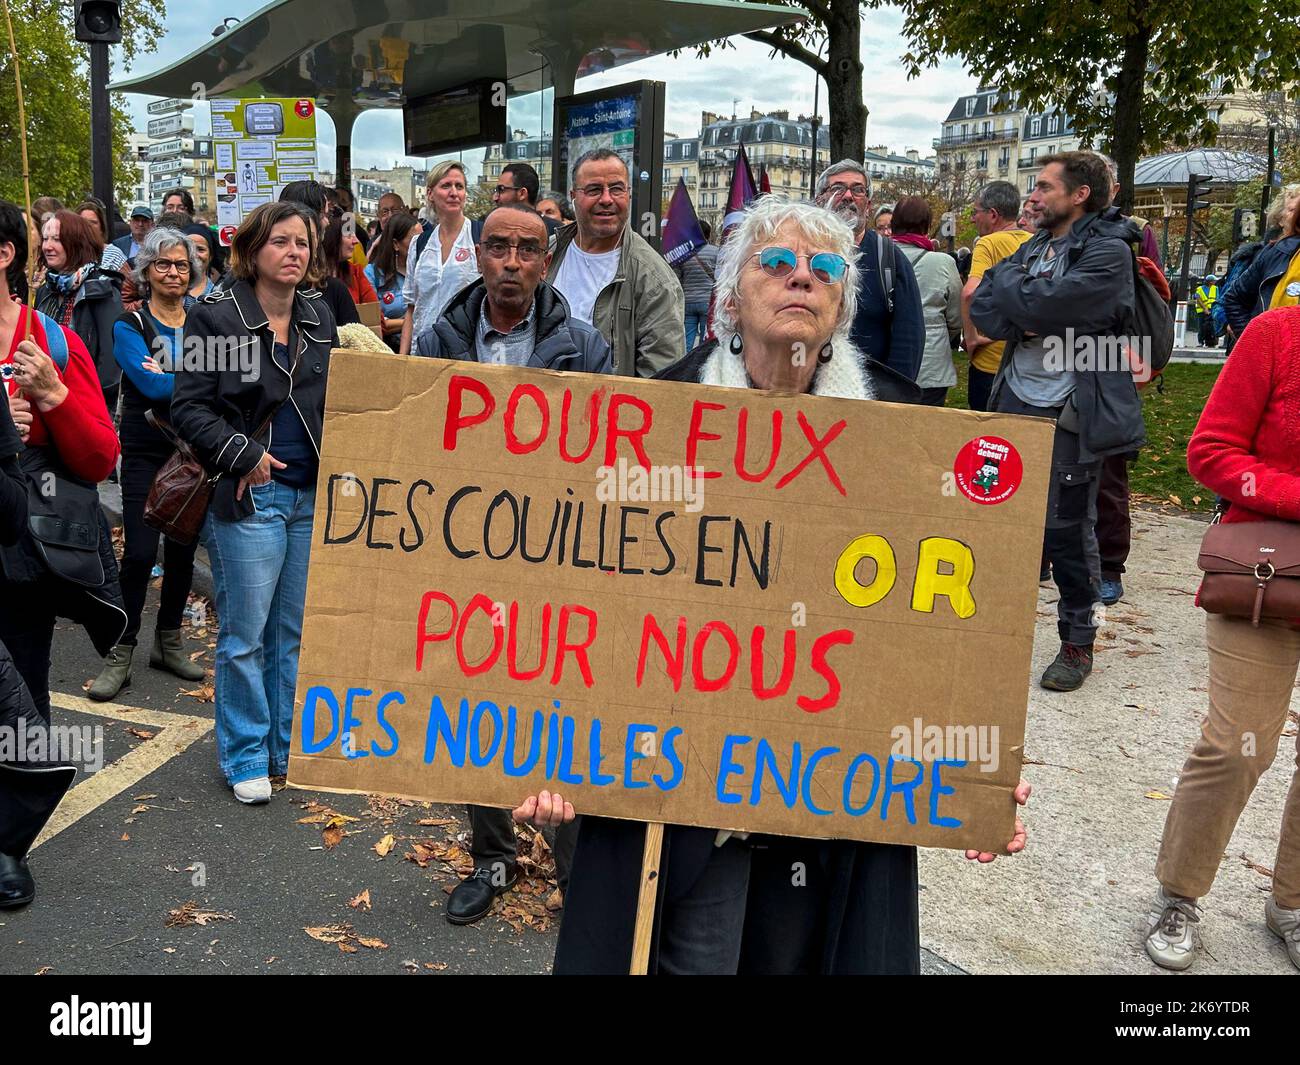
[(889, 324), (1064, 300), (510, 316)]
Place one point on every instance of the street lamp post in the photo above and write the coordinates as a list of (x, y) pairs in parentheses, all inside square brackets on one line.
[(99, 24)]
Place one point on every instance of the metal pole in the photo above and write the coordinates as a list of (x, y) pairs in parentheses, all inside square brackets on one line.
[(1268, 180), (1184, 292), (101, 129)]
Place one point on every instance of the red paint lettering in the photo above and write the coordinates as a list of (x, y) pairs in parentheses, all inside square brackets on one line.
[(675, 661), (512, 644), (820, 648), (455, 421), (703, 683), (697, 434), (483, 603), (592, 418), (742, 440), (788, 651), (563, 646), (635, 436), (817, 451), (422, 634), (513, 444)]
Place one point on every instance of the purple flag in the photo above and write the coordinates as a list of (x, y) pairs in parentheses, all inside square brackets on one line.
[(742, 190), (682, 234)]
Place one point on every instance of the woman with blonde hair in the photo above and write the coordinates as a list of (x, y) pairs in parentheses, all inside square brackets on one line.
[(443, 260)]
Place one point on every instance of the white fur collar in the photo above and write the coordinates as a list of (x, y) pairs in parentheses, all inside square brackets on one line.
[(841, 378)]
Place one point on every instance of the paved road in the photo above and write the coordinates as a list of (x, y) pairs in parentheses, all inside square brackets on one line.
[(156, 828)]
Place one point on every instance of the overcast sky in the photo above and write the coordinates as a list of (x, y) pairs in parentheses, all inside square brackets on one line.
[(903, 114)]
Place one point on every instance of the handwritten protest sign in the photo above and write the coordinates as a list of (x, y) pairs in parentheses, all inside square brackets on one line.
[(516, 583)]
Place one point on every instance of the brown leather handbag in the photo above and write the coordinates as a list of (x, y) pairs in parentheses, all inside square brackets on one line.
[(181, 490), (1252, 569)]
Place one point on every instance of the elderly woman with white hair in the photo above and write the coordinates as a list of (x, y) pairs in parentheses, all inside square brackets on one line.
[(783, 311), (147, 345)]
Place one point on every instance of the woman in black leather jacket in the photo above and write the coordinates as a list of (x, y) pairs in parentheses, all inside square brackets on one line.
[(250, 401)]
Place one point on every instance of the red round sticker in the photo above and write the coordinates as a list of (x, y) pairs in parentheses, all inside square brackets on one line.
[(227, 235), (462, 254), (988, 470), (387, 297), (304, 108)]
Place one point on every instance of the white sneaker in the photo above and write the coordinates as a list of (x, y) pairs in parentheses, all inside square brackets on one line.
[(1286, 925), (254, 791), (1172, 942)]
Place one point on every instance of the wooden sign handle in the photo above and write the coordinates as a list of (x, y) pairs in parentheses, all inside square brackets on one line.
[(645, 905)]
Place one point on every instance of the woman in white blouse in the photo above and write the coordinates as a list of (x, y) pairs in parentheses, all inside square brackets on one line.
[(444, 263)]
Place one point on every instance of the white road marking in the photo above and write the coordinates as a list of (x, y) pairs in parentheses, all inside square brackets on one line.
[(177, 732)]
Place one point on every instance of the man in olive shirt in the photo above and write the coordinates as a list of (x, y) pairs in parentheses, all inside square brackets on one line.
[(996, 208)]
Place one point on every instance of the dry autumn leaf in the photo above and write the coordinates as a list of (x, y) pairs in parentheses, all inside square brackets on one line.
[(332, 837), (372, 943), (436, 822), (385, 845), (330, 933), (347, 948), (143, 734), (361, 901), (189, 914), (436, 966), (1157, 795)]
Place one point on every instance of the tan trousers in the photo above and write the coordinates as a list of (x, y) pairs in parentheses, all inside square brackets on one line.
[(1252, 676)]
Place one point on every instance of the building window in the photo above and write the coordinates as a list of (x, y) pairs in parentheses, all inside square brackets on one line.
[(1035, 126), (965, 128), (985, 128), (1029, 183), (984, 159), (1053, 123), (970, 106)]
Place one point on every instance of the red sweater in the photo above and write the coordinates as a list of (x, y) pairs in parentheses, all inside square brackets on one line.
[(1247, 443), (359, 285), (80, 426)]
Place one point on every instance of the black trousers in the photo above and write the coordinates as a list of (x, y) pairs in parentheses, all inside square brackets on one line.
[(27, 629), (1070, 538), (139, 467), (492, 839), (978, 386), (934, 397), (1114, 527)]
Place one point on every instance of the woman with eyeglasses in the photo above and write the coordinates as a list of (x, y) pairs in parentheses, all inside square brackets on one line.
[(442, 261), (787, 282), (146, 345)]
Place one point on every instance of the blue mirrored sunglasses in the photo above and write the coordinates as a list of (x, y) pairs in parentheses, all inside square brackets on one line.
[(826, 266)]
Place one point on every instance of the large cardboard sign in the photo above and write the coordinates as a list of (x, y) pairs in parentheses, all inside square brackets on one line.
[(517, 584)]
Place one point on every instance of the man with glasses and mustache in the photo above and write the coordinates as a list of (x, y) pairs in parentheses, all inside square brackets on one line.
[(519, 183), (612, 278), (510, 315), (890, 323)]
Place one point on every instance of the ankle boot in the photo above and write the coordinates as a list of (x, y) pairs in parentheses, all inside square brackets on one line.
[(115, 675), (169, 654)]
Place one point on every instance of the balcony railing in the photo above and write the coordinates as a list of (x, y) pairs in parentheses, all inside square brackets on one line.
[(993, 136)]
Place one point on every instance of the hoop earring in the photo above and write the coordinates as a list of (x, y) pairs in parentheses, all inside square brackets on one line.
[(736, 345), (824, 356)]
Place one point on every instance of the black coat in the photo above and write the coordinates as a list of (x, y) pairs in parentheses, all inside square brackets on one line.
[(29, 791), (223, 413), (13, 486), (864, 918)]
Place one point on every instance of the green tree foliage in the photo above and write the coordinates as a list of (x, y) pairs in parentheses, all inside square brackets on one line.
[(1132, 74), (56, 89)]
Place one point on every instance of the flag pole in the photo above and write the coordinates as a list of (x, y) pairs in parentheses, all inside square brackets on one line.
[(27, 186)]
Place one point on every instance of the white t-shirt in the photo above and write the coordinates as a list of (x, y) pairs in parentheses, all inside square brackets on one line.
[(431, 283), (582, 276)]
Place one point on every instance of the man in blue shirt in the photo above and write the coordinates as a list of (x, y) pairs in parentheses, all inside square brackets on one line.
[(889, 324)]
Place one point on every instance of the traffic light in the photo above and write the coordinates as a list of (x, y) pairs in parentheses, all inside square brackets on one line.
[(1198, 185), (99, 21)]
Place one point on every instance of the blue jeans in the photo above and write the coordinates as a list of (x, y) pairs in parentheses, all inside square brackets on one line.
[(259, 571), (697, 324)]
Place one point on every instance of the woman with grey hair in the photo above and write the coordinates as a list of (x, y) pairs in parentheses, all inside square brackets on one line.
[(147, 344), (783, 309)]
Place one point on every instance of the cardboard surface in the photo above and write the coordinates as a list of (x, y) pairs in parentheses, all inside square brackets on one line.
[(807, 641)]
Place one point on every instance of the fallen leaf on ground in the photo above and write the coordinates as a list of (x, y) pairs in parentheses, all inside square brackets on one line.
[(436, 966), (372, 943), (124, 837), (345, 937), (435, 822), (169, 950), (332, 837), (347, 948), (189, 914), (362, 900), (142, 798), (144, 734), (204, 694), (555, 900), (338, 820), (385, 845), (44, 969), (1263, 869), (1157, 795)]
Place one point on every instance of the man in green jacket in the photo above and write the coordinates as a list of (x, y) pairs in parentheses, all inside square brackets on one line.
[(612, 278)]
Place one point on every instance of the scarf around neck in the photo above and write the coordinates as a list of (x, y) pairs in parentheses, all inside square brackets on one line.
[(841, 378), (67, 284), (916, 240)]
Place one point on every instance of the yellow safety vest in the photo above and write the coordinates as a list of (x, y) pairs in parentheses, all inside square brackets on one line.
[(1205, 300)]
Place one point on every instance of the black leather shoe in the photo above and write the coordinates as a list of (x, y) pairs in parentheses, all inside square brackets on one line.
[(473, 896), (17, 888)]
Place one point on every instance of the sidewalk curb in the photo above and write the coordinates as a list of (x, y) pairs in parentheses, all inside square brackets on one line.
[(110, 499)]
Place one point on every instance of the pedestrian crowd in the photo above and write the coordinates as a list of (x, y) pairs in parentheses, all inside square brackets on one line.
[(98, 385)]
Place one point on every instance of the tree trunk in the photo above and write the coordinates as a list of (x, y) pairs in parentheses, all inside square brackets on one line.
[(848, 114), (1126, 132)]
